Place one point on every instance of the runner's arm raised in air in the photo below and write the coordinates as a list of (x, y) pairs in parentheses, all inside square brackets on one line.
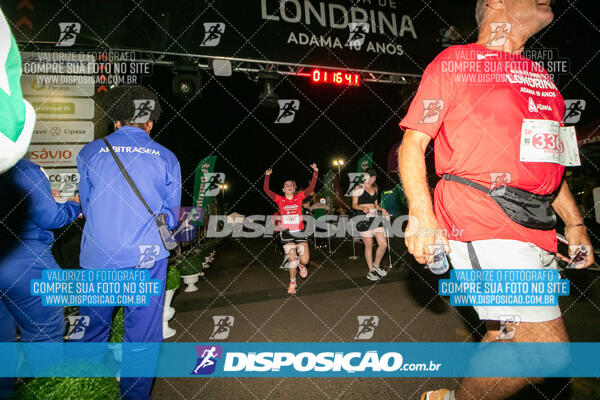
[(266, 185), (313, 181)]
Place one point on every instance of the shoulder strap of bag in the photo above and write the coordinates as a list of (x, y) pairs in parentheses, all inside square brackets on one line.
[(128, 178), (465, 181)]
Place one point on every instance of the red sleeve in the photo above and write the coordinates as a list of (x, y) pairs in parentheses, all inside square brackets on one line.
[(266, 188), (312, 184), (434, 96)]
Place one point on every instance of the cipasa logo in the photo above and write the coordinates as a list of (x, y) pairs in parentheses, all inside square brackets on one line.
[(313, 362)]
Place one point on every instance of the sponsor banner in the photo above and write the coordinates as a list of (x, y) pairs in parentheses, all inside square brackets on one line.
[(57, 85), (40, 62), (54, 155), (308, 359), (64, 182), (375, 36), (62, 107), (63, 132), (383, 35), (204, 182)]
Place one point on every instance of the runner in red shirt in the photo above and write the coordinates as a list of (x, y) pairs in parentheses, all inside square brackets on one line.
[(295, 245), (495, 119)]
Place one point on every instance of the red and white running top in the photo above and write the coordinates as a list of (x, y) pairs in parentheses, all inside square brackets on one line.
[(472, 101), (291, 209)]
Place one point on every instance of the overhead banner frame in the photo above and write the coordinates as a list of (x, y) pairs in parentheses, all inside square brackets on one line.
[(384, 41)]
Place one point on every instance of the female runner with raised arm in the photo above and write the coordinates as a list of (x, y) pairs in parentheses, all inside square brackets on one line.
[(290, 207)]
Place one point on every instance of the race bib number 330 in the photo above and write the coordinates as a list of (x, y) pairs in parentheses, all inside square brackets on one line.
[(546, 141)]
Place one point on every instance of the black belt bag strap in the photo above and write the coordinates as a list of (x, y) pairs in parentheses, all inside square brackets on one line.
[(528, 209)]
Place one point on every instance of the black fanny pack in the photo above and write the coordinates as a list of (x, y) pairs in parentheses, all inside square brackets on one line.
[(528, 209)]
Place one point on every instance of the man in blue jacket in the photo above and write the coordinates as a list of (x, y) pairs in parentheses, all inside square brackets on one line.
[(28, 213), (119, 231)]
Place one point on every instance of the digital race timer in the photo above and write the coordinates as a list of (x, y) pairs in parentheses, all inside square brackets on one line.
[(335, 77)]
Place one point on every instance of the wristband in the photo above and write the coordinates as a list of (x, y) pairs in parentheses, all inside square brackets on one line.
[(572, 226)]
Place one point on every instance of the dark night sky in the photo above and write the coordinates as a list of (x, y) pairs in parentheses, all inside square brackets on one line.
[(332, 121)]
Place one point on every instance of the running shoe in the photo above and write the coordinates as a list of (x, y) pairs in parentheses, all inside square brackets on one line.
[(440, 394), (380, 271), (303, 271), (292, 288), (373, 277)]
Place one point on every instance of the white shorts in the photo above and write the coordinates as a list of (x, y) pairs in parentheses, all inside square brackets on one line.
[(506, 254), (371, 233)]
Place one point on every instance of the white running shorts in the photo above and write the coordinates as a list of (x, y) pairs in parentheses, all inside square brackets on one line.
[(506, 254)]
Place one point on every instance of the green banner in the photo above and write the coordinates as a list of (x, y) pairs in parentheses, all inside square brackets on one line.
[(394, 201), (328, 191), (364, 163), (204, 167)]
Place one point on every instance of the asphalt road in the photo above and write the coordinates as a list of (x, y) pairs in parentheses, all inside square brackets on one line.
[(245, 282)]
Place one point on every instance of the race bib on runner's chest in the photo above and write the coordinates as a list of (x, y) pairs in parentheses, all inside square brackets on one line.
[(291, 219), (546, 141)]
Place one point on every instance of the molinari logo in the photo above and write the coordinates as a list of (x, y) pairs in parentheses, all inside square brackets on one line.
[(351, 362), (207, 359)]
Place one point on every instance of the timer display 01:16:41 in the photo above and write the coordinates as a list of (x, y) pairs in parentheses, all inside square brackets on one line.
[(335, 77)]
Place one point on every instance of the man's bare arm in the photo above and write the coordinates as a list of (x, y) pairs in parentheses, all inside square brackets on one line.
[(413, 173), (565, 206), (575, 231)]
